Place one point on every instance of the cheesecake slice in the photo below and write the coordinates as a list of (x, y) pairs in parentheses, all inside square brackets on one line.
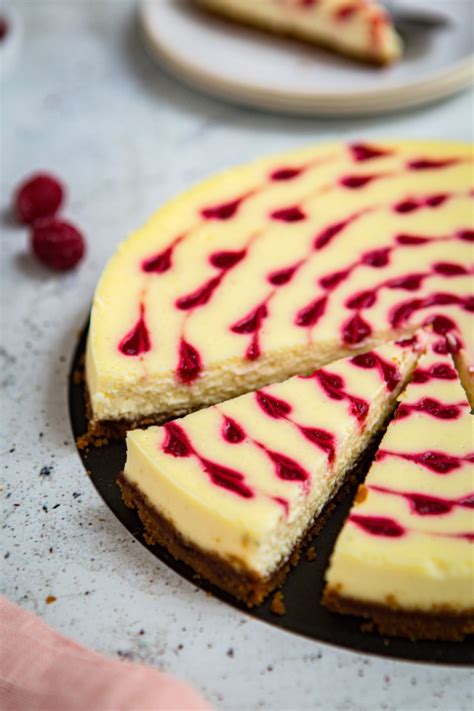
[(404, 557), (233, 489), (357, 28)]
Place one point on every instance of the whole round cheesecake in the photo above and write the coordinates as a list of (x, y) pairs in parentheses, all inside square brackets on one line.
[(299, 296), (278, 267)]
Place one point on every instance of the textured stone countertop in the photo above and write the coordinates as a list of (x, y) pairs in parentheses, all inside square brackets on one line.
[(85, 102)]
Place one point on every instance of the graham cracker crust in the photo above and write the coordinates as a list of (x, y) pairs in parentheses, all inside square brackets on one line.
[(390, 620), (101, 431), (243, 584)]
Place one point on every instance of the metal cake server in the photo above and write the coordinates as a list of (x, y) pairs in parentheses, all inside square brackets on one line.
[(409, 13)]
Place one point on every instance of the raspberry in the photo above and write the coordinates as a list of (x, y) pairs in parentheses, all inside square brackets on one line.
[(3, 28), (39, 196), (57, 244)]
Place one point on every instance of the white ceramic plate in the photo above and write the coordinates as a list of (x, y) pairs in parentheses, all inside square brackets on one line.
[(251, 68)]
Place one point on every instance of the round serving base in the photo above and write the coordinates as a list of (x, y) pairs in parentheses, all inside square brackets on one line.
[(304, 584)]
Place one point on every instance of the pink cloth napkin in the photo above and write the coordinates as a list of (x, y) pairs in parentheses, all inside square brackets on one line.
[(40, 670)]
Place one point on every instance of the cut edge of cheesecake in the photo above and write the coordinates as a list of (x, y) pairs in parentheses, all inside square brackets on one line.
[(245, 378), (244, 585), (229, 572), (442, 621), (390, 45)]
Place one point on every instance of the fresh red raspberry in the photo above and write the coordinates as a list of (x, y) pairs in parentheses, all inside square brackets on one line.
[(57, 244), (3, 28), (39, 196)]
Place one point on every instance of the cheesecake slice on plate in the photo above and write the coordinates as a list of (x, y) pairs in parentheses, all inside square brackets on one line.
[(404, 558), (233, 489), (358, 28)]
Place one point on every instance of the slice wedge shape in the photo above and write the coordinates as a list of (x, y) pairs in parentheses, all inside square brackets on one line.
[(360, 29), (404, 558), (233, 489)]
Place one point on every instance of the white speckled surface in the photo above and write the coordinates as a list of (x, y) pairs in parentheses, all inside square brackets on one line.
[(85, 102)]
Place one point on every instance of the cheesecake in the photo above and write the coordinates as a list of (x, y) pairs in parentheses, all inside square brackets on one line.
[(276, 268), (404, 558), (361, 29), (232, 490)]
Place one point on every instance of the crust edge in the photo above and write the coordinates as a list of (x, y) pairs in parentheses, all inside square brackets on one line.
[(395, 622), (243, 584)]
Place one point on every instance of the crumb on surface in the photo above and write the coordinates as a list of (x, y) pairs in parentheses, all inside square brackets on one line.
[(50, 599), (311, 553), (82, 442), (77, 376), (278, 606), (295, 557), (88, 440), (362, 493)]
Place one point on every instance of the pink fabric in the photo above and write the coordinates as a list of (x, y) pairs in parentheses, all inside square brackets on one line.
[(40, 670)]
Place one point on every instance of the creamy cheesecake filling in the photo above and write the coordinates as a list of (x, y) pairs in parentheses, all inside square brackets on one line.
[(360, 28), (424, 582), (277, 267), (134, 400), (407, 542), (244, 480)]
